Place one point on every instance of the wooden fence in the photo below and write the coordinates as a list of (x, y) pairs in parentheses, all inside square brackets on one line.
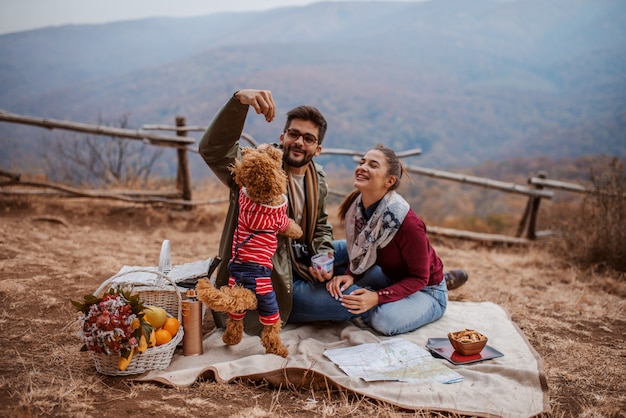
[(537, 189)]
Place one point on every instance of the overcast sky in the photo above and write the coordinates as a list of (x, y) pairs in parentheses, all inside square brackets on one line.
[(20, 15)]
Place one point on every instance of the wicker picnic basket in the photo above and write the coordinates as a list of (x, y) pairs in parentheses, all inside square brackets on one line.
[(163, 293)]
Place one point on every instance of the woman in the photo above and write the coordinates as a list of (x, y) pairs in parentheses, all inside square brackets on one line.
[(394, 280)]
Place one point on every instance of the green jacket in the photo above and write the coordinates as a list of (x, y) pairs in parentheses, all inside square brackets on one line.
[(219, 148)]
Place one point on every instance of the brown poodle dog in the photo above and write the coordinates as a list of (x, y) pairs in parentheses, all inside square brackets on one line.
[(262, 215)]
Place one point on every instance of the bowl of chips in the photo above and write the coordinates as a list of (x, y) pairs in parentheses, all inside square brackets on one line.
[(467, 342)]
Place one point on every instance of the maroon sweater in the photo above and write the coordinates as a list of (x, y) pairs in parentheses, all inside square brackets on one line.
[(408, 260)]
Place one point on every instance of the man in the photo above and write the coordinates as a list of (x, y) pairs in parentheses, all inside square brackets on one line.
[(301, 140)]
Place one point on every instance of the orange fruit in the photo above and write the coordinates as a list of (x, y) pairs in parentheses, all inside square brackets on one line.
[(163, 336), (171, 324)]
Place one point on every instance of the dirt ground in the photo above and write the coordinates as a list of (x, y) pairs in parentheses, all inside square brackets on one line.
[(53, 250)]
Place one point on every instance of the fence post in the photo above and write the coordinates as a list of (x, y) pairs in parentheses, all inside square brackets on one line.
[(529, 219), (536, 200), (183, 178), (522, 222)]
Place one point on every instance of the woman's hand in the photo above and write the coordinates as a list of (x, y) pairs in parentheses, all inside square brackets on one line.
[(338, 284), (359, 301)]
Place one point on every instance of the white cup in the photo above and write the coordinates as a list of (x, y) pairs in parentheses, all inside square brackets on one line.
[(322, 262)]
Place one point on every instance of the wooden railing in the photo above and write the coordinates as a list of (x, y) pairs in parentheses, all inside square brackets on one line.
[(182, 196)]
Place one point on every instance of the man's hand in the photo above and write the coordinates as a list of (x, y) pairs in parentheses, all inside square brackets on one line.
[(320, 276), (260, 100)]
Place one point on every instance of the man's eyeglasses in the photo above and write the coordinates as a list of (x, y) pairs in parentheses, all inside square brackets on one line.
[(294, 134)]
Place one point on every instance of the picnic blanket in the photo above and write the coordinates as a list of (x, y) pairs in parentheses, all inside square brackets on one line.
[(513, 385)]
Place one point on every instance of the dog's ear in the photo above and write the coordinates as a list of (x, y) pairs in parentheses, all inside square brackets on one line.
[(240, 168)]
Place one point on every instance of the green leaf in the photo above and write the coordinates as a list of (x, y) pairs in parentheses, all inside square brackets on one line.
[(79, 306), (125, 353), (146, 328), (88, 301), (91, 299)]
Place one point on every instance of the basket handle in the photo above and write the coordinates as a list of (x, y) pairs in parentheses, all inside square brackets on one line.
[(165, 259), (107, 282)]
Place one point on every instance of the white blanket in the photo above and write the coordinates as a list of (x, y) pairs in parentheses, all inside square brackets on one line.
[(510, 386)]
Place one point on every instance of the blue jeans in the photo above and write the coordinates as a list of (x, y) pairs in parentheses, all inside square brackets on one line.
[(407, 314), (341, 257), (312, 302)]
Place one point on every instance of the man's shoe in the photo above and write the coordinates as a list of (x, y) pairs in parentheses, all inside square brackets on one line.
[(455, 278)]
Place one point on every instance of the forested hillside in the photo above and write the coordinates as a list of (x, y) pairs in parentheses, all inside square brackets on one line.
[(467, 82)]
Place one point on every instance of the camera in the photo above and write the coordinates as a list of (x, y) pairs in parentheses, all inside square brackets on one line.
[(301, 252)]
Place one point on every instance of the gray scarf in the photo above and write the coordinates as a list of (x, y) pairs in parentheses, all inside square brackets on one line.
[(375, 233)]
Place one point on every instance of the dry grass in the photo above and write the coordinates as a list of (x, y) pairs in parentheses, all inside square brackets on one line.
[(594, 231), (52, 251)]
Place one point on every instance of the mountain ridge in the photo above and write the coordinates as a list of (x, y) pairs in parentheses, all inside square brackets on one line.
[(464, 81)]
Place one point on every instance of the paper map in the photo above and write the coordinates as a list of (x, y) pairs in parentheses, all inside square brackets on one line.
[(395, 359)]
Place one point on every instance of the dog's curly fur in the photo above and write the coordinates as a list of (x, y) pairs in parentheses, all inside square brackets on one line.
[(260, 172)]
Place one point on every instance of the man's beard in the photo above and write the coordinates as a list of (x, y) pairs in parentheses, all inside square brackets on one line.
[(306, 158)]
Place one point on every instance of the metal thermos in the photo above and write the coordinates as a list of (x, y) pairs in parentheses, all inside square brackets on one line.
[(192, 324)]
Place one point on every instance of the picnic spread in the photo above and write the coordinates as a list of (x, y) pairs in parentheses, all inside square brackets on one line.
[(511, 385), (418, 370)]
